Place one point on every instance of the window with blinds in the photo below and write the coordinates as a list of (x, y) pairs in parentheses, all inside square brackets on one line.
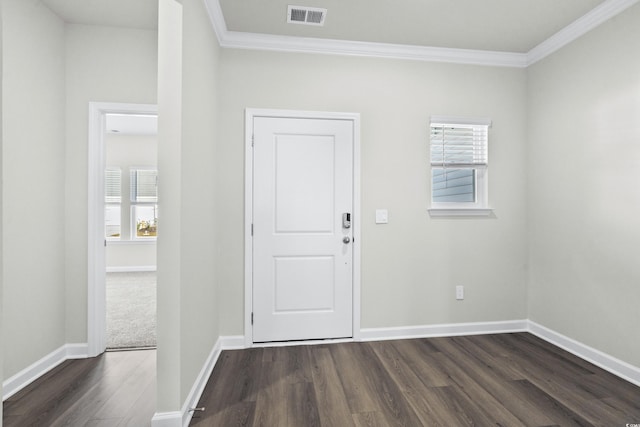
[(459, 161), (143, 185), (112, 199), (113, 185), (143, 191)]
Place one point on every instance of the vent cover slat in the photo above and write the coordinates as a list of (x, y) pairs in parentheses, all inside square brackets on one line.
[(298, 15), (314, 16)]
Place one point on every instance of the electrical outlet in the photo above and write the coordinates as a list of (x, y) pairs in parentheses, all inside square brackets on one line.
[(459, 292)]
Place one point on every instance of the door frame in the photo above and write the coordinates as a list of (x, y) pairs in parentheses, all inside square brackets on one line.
[(96, 267), (250, 115)]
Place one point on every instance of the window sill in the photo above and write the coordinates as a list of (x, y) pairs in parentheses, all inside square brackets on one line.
[(460, 211), (131, 242)]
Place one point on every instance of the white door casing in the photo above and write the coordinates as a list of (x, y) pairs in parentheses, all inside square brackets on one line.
[(304, 278), (96, 293)]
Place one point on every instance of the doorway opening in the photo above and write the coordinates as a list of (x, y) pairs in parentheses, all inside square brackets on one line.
[(131, 229), (123, 227)]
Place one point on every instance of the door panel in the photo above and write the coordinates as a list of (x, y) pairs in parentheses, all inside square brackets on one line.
[(304, 184), (302, 269), (304, 284)]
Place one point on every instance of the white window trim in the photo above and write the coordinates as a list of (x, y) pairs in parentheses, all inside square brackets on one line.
[(481, 206), (96, 314), (441, 211), (147, 241)]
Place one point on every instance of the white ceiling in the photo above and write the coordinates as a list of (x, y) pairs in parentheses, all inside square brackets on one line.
[(141, 14), (513, 33), (495, 25)]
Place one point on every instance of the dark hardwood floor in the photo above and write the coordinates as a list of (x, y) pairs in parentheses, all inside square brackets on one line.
[(114, 389), (489, 380)]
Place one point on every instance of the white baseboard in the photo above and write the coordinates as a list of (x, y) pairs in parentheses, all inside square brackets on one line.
[(443, 330), (131, 268), (609, 363), (183, 417), (233, 342), (167, 419), (31, 373)]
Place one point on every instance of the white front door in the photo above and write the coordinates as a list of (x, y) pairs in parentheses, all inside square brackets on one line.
[(302, 249)]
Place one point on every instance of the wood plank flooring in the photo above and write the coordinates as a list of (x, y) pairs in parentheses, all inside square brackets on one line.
[(489, 380), (114, 389)]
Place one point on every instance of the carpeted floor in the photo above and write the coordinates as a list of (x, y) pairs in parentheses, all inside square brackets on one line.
[(131, 310)]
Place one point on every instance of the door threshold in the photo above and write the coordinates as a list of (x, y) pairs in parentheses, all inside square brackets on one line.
[(290, 343), (111, 350)]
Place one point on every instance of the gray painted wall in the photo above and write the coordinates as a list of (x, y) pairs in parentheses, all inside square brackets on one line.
[(584, 168), (199, 298), (410, 267), (103, 64), (51, 72), (33, 184), (188, 325), (559, 248)]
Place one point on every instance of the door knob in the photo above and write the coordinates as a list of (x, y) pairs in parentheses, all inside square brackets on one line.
[(346, 239)]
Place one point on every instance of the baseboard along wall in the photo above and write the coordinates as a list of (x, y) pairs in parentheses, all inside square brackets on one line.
[(443, 330), (182, 418), (605, 361), (17, 382), (609, 363)]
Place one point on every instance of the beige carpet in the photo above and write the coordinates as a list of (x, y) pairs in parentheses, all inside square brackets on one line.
[(131, 310)]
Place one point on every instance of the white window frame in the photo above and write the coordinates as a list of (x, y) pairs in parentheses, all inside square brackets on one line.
[(481, 205), (134, 221), (106, 223), (144, 201)]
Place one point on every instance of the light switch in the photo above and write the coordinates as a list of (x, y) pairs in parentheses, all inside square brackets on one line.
[(382, 216)]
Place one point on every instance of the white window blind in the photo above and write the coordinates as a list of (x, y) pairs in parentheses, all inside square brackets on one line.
[(144, 185), (459, 145), (113, 185)]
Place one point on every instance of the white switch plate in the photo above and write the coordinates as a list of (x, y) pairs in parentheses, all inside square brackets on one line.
[(382, 216), (459, 292)]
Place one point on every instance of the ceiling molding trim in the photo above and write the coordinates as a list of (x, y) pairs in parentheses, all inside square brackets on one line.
[(581, 26), (240, 40), (217, 19), (578, 28)]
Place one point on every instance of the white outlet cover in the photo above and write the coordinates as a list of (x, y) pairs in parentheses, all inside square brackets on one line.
[(382, 216)]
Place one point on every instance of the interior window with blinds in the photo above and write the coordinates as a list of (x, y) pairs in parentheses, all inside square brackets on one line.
[(144, 185), (459, 161), (143, 192), (113, 200)]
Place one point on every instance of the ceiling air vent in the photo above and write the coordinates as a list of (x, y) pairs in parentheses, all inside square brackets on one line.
[(306, 15)]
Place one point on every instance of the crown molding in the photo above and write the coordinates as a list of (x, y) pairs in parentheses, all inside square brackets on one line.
[(578, 28), (268, 42), (239, 40), (217, 19)]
